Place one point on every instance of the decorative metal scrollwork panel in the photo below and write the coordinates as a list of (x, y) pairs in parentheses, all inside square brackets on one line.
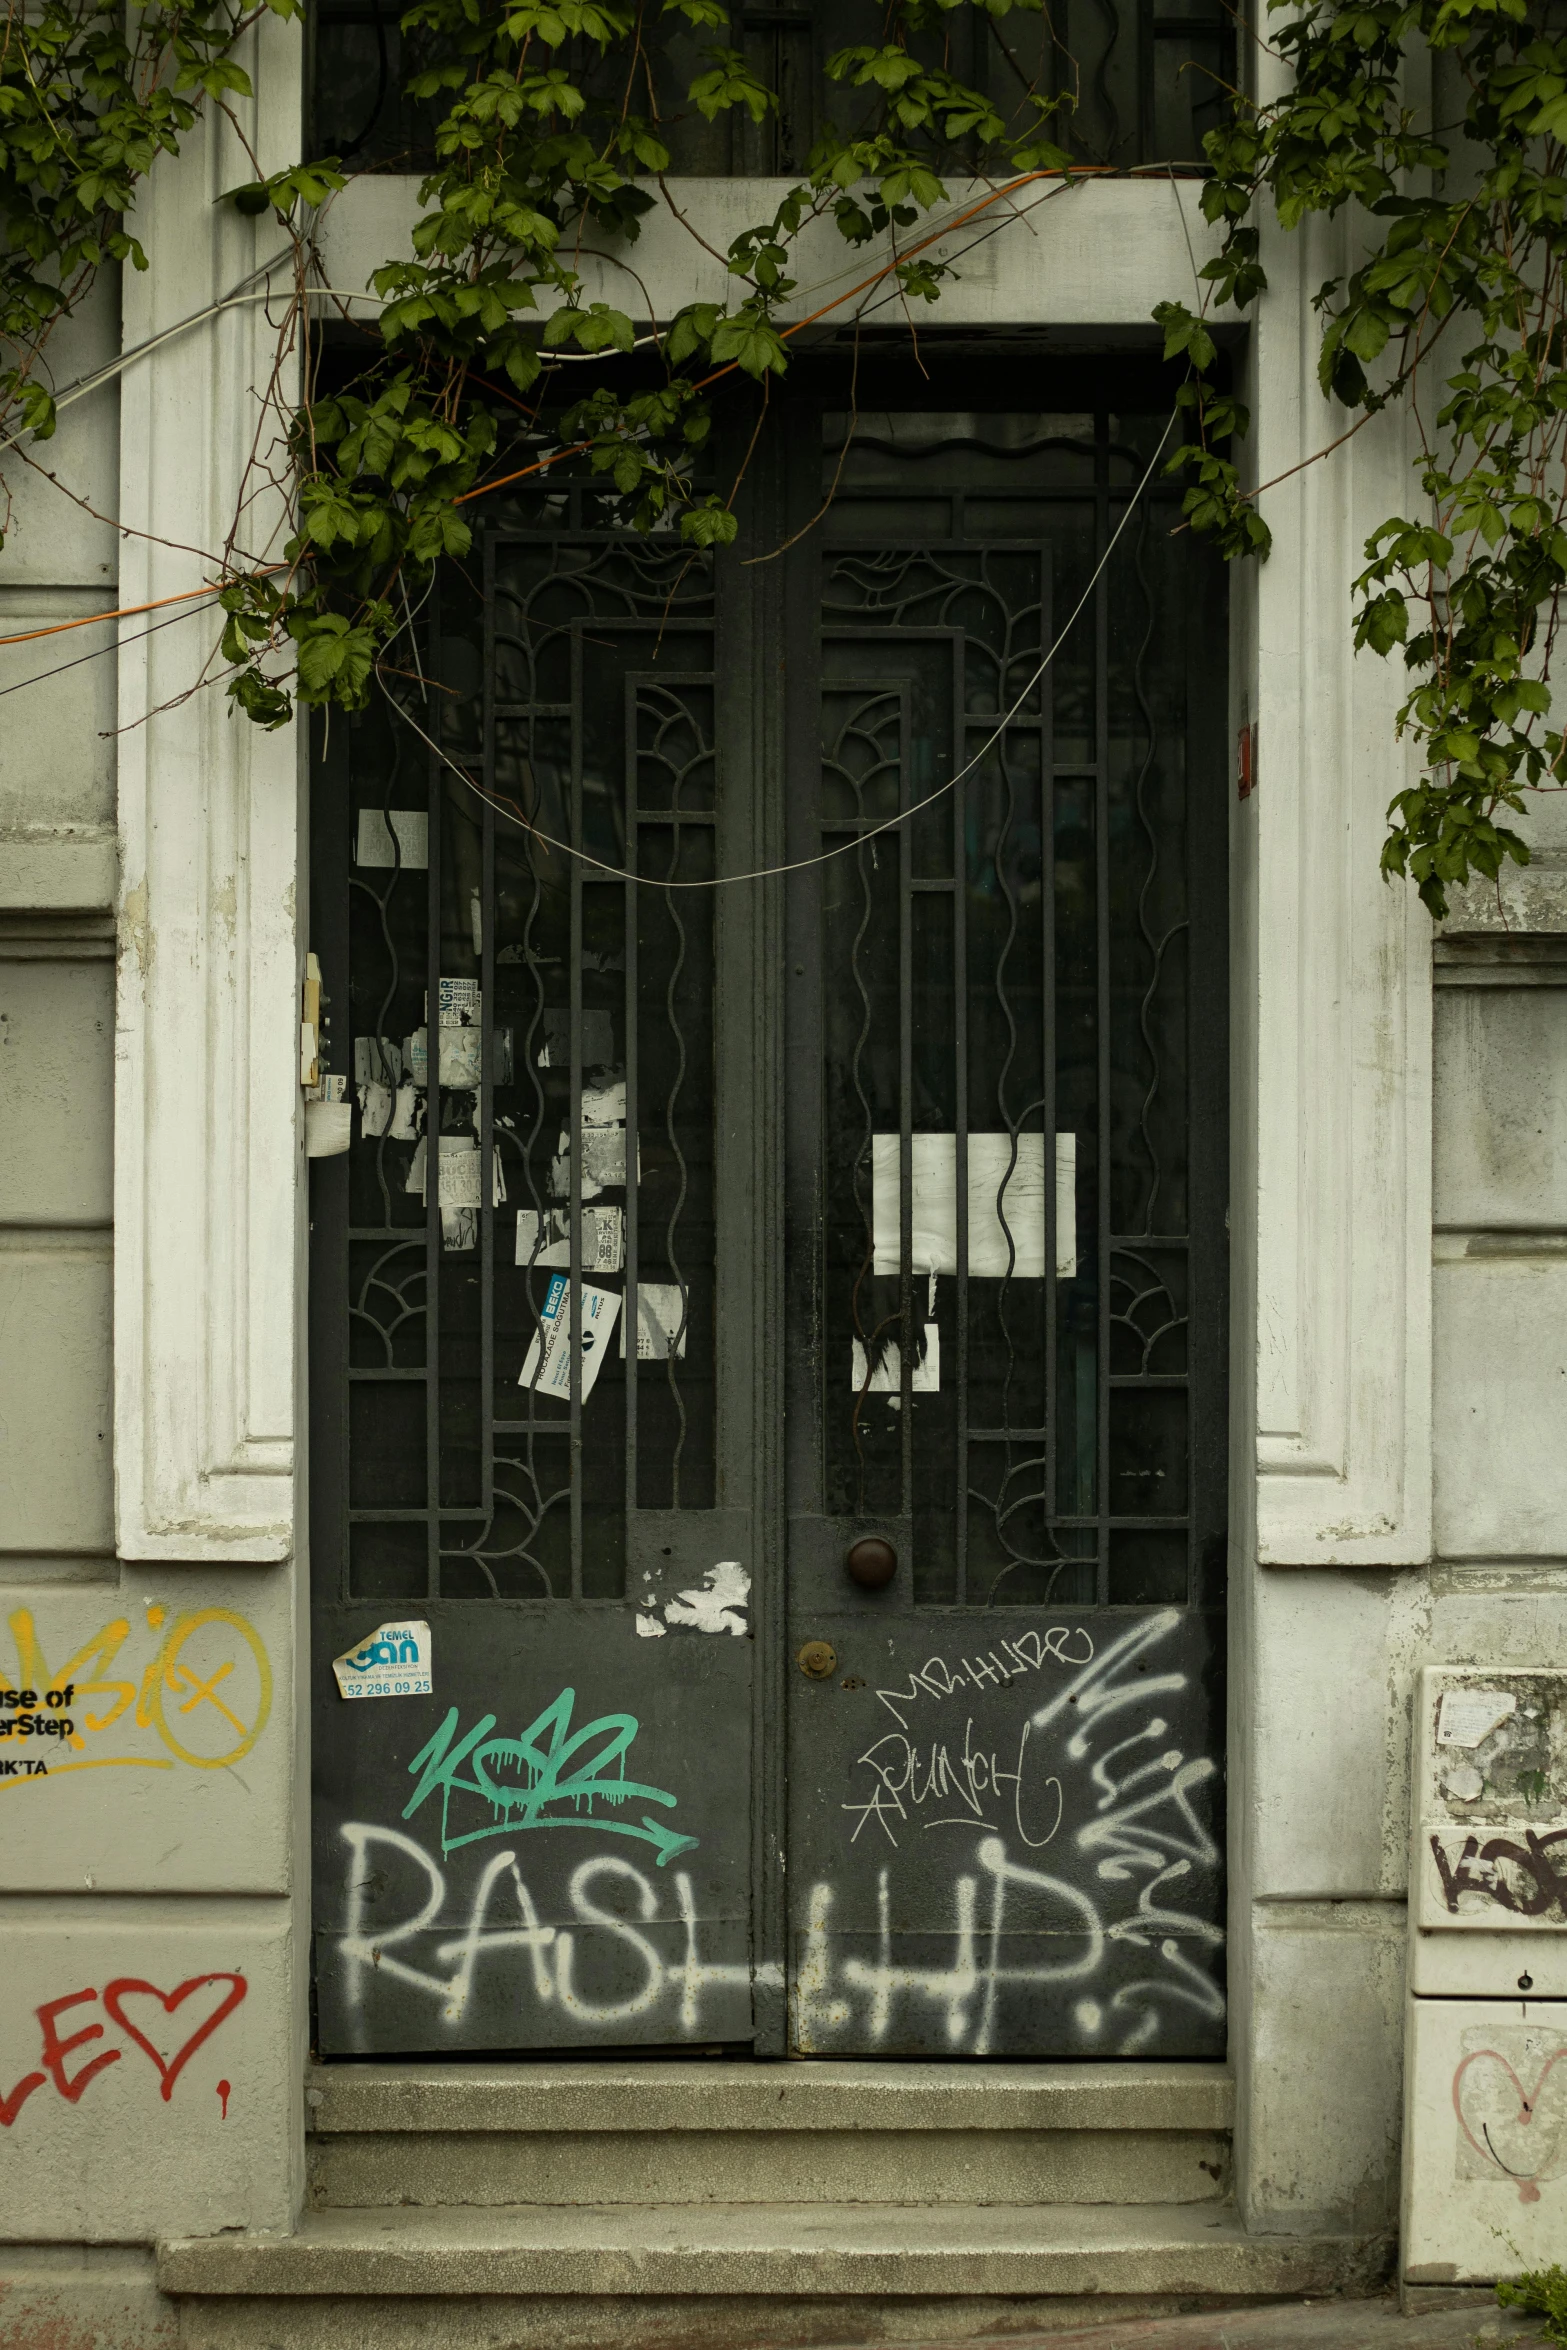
[(1007, 1011), (530, 1277)]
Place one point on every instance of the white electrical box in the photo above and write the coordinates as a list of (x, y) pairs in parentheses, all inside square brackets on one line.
[(1485, 2122)]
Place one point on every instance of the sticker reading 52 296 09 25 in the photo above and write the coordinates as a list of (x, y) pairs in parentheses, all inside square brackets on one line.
[(393, 1662)]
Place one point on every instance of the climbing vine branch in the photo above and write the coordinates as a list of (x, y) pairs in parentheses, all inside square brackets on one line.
[(1459, 283), (550, 127)]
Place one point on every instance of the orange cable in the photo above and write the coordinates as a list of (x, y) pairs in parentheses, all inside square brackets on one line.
[(1074, 171), (188, 595)]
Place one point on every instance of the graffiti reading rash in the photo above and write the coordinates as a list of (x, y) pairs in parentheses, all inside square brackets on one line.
[(548, 1776), (202, 1697), (550, 1952), (1525, 1879), (997, 1667), (56, 2046)]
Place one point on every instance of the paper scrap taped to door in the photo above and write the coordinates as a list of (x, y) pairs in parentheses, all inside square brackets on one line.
[(393, 1662), (663, 1315), (603, 1245), (887, 1378), (1467, 1717), (547, 1369), (1005, 1190), (375, 845), (603, 1161)]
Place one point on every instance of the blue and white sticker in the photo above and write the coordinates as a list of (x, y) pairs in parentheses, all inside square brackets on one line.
[(547, 1368), (393, 1662)]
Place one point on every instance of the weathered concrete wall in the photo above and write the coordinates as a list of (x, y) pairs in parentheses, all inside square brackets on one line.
[(57, 878), (150, 2035), (1330, 1682)]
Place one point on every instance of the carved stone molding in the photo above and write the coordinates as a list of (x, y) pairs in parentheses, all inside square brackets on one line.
[(1333, 1005), (207, 1153)]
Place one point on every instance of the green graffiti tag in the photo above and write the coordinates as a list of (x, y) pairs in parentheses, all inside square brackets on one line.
[(548, 1777)]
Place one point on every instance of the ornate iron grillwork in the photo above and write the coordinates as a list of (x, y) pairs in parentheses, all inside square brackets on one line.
[(513, 1009), (1021, 1298)]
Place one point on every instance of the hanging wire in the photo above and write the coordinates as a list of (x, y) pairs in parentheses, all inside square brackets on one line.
[(505, 806)]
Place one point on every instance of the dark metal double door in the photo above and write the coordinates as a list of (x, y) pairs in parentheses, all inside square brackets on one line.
[(805, 1447)]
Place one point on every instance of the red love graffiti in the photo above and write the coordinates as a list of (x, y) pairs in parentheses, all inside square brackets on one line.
[(11, 2106), (127, 1986), (1528, 2106)]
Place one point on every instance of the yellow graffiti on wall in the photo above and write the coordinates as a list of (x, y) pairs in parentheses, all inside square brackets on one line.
[(203, 1696)]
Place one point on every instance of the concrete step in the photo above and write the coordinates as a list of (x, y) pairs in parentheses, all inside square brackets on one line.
[(532, 2275), (716, 2133)]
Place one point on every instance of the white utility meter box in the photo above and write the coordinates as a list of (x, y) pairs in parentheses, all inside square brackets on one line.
[(1485, 2105)]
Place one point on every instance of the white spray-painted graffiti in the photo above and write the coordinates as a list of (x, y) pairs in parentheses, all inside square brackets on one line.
[(1120, 1923), (551, 1953), (1133, 1871), (938, 1677)]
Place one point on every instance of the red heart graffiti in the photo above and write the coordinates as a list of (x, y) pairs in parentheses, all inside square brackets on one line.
[(114, 1992), (1528, 2106)]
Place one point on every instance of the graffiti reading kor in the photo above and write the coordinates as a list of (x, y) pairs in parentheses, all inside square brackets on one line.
[(548, 1776)]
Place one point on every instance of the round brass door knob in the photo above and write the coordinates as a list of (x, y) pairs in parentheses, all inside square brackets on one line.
[(871, 1562), (818, 1660)]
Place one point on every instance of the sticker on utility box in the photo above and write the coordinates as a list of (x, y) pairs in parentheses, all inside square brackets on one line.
[(393, 1662)]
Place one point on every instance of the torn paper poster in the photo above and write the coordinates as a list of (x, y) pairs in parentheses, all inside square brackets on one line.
[(999, 1187), (1066, 1207), (460, 1018), (547, 1369), (459, 1197), (393, 1662), (462, 1050), (1466, 1717), (408, 1108), (459, 1172), (663, 1311), (887, 1378), (720, 1604), (458, 1003), (553, 1049), (603, 1162), (411, 828), (375, 1108), (329, 1128), (461, 1057), (378, 1060), (648, 1625), (602, 1248), (604, 1105)]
